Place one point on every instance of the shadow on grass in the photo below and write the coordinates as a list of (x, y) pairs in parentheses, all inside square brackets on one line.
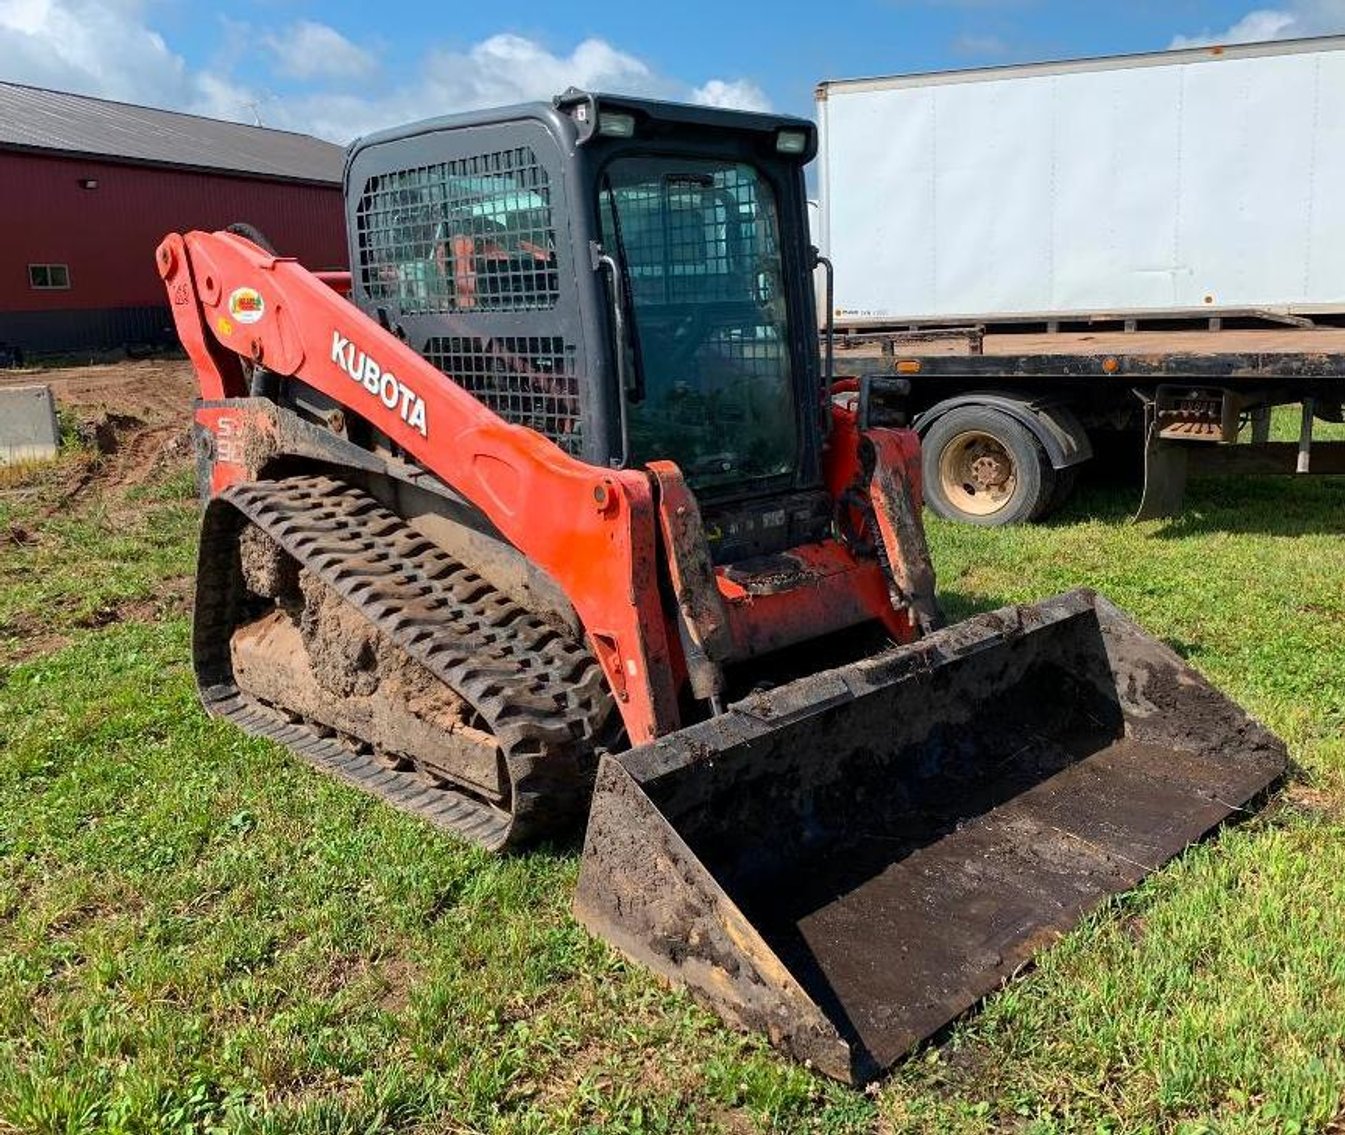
[(1266, 506), (960, 605), (1106, 502), (1269, 506)]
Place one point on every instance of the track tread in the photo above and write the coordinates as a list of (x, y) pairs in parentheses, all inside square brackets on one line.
[(542, 694)]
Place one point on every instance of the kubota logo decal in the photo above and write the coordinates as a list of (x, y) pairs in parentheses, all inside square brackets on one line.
[(382, 384), (246, 305)]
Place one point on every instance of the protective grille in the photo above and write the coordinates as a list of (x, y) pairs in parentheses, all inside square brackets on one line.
[(473, 234), (528, 380), (693, 239)]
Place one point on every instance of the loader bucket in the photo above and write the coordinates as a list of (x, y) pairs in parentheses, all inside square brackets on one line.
[(848, 862)]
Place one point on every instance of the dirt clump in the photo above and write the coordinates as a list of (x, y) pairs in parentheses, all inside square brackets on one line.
[(350, 658), (25, 637), (104, 434), (342, 644), (268, 570)]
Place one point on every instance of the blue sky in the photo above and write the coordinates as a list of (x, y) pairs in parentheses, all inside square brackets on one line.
[(341, 68)]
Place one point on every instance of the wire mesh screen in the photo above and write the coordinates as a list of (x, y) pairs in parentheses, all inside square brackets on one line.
[(700, 242), (693, 237), (528, 380), (474, 234)]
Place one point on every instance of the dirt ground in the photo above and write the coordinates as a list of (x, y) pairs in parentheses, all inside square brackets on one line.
[(157, 391), (136, 414)]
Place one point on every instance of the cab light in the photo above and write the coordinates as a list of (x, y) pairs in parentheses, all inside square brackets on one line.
[(791, 142), (616, 125)]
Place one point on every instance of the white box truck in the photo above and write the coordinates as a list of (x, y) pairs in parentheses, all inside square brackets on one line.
[(984, 231), (1197, 181)]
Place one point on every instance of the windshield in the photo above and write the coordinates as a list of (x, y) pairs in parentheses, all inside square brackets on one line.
[(699, 245)]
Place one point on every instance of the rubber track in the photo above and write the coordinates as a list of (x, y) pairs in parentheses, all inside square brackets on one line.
[(541, 693)]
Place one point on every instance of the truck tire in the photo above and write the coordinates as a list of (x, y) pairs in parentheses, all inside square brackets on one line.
[(982, 467)]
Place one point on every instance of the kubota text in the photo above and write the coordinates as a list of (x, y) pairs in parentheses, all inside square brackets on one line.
[(383, 384)]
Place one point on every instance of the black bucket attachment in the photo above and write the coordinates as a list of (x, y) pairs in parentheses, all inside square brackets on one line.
[(850, 861)]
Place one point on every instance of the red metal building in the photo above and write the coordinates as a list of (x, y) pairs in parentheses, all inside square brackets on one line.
[(88, 188)]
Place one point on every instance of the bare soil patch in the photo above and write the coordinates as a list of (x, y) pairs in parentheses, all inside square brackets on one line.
[(1308, 799), (174, 598), (154, 391), (133, 417), (32, 638)]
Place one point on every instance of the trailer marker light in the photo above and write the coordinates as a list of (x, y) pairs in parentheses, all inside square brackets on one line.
[(616, 125), (908, 366), (791, 142)]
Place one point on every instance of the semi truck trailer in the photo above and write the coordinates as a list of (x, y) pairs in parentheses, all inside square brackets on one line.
[(1034, 261)]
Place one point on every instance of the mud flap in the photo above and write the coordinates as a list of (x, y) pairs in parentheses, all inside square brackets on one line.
[(848, 862), (1165, 473)]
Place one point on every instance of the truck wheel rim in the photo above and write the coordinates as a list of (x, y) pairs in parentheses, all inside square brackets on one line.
[(977, 473)]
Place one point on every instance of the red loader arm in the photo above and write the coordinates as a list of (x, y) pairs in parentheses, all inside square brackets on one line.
[(593, 530)]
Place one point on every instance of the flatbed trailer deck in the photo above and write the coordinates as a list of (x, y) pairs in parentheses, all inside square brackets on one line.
[(1007, 419)]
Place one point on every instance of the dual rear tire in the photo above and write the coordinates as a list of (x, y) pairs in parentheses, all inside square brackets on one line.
[(983, 467)]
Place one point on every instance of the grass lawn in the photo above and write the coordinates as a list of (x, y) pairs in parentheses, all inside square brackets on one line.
[(198, 933)]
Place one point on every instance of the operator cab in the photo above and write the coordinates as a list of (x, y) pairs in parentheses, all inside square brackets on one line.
[(629, 278)]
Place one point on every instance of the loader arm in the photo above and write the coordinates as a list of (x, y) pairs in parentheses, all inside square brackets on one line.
[(593, 530)]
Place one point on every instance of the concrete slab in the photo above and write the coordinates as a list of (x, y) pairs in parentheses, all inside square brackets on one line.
[(28, 429)]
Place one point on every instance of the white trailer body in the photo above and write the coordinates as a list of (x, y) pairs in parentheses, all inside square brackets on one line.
[(1205, 180)]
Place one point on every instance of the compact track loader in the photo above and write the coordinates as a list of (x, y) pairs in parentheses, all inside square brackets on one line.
[(553, 489)]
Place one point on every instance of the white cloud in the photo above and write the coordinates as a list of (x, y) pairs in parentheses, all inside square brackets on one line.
[(104, 48), (498, 71), (510, 68), (309, 50), (1295, 19), (89, 46), (109, 48), (736, 94)]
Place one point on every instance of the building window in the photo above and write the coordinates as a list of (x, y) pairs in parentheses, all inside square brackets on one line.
[(49, 277)]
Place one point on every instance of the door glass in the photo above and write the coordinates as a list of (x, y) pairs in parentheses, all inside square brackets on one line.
[(698, 241)]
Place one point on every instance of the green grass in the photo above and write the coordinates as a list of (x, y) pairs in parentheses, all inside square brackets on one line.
[(74, 559), (198, 933)]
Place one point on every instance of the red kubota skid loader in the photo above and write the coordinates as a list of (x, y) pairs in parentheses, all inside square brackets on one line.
[(554, 490)]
